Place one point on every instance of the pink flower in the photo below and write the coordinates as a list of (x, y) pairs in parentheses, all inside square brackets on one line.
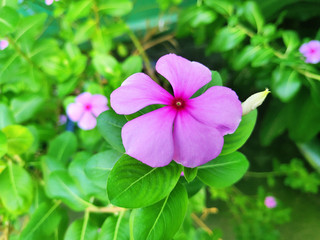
[(270, 202), (188, 130), (49, 2), (311, 51), (3, 44), (86, 108)]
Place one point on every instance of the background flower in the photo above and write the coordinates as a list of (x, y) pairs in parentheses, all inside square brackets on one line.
[(3, 44), (86, 109), (311, 51), (270, 202)]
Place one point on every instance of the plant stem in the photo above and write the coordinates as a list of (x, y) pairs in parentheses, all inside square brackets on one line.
[(201, 224), (106, 209)]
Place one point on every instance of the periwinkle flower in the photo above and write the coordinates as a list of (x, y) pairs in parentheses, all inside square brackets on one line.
[(49, 2), (3, 44), (187, 130), (86, 109), (270, 202), (311, 51)]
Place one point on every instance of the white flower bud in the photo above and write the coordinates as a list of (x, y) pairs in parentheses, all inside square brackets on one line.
[(254, 101)]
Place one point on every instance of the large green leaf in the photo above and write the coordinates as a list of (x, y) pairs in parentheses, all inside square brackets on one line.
[(224, 170), (109, 125), (115, 8), (9, 19), (6, 116), (163, 219), (233, 142), (82, 230), (115, 228), (63, 147), (30, 27), (61, 186), (3, 144), (99, 166), (43, 222), (25, 106), (132, 184), (19, 139), (16, 189)]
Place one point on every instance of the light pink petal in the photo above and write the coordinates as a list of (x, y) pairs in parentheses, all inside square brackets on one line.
[(148, 138), (98, 109), (3, 44), (87, 121), (218, 107), (194, 143), (98, 99), (314, 44), (84, 98), (313, 58), (304, 48), (137, 92), (186, 77), (48, 2), (75, 111)]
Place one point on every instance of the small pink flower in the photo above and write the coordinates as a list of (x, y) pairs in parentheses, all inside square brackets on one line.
[(49, 2), (270, 202), (86, 109), (3, 44), (188, 130), (311, 51), (62, 119)]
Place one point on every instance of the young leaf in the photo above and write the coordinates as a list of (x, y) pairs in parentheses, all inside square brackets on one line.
[(161, 220), (109, 125), (19, 139), (62, 147), (16, 189), (253, 15), (132, 184), (81, 230), (223, 171), (115, 228), (236, 140), (190, 173)]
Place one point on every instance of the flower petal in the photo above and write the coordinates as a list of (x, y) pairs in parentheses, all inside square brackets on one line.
[(84, 98), (75, 111), (218, 107), (148, 138), (99, 99), (98, 109), (194, 143), (137, 92), (186, 77), (87, 121)]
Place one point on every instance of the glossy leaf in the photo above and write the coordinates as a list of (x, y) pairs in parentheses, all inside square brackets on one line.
[(163, 219), (9, 19), (253, 15), (61, 186), (6, 116), (115, 8), (43, 222), (81, 230), (291, 40), (190, 173), (226, 39), (311, 152), (78, 9), (109, 125), (132, 184), (19, 139), (115, 228), (3, 144), (223, 171), (224, 7), (99, 166), (63, 147), (30, 27), (233, 142), (131, 65), (16, 189)]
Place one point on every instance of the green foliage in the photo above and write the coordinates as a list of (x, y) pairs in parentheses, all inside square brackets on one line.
[(19, 139)]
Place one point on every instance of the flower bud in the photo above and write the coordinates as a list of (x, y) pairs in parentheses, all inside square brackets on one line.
[(254, 101)]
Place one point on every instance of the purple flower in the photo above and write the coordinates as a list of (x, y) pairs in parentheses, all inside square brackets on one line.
[(62, 119), (188, 130), (86, 108), (311, 51), (3, 44), (270, 202)]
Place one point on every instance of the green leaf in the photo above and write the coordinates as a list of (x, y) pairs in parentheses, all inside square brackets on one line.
[(131, 65), (285, 83), (190, 173), (11, 3), (109, 125), (233, 142), (43, 222), (223, 171), (81, 230), (30, 27), (161, 220), (253, 14), (49, 165), (3, 144), (226, 39), (291, 40), (19, 139), (6, 116), (115, 8), (16, 189), (115, 228), (311, 152), (132, 184), (61, 186), (262, 57), (24, 107), (78, 10), (224, 7), (99, 166), (245, 56), (9, 19), (63, 147)]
